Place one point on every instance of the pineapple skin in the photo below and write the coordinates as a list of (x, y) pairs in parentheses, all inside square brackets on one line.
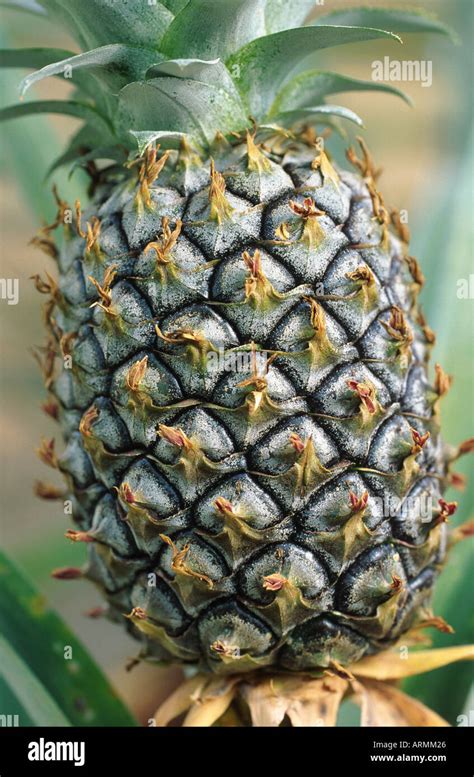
[(233, 505)]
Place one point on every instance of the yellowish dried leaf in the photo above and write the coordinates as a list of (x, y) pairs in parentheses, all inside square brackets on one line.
[(211, 702), (317, 703), (384, 705), (266, 707), (306, 702), (179, 701), (391, 665)]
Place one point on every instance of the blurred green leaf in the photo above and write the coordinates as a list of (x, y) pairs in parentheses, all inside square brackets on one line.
[(29, 147), (40, 558), (24, 5), (348, 715), (393, 19), (31, 695), (12, 706), (66, 108), (31, 58), (446, 690), (47, 687)]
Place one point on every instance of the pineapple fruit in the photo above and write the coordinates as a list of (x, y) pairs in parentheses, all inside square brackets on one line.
[(235, 352)]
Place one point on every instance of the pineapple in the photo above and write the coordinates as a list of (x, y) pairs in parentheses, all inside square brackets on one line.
[(235, 352)]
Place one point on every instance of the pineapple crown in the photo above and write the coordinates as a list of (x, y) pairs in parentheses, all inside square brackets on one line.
[(159, 70)]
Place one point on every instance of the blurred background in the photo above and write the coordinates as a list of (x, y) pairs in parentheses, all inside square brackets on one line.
[(426, 154)]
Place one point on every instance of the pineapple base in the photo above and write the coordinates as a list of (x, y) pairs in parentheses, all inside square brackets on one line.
[(296, 699)]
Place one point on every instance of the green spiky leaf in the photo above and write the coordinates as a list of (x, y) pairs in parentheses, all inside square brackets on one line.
[(202, 97), (318, 114), (286, 14), (96, 23), (115, 65), (211, 72), (263, 66), (175, 6), (208, 29), (313, 86), (197, 104), (169, 139)]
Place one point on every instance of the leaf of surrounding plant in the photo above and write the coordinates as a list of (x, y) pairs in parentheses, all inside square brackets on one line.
[(443, 236), (33, 643), (180, 105), (261, 67), (65, 107), (13, 705), (348, 715), (31, 58), (209, 28), (29, 147), (446, 691), (403, 20), (318, 114), (286, 14), (310, 88), (115, 65), (30, 694), (391, 665), (24, 5), (96, 23), (384, 705)]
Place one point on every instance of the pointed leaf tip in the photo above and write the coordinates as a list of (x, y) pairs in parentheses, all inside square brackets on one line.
[(409, 20), (263, 65), (144, 139)]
